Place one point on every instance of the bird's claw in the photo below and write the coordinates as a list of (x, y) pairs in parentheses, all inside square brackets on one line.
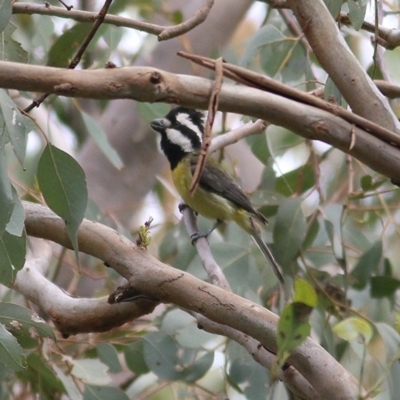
[(196, 236)]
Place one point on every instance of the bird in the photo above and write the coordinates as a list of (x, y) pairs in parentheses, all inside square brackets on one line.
[(218, 196)]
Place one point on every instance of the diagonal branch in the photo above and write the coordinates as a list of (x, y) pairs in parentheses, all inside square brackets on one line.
[(339, 62), (161, 281)]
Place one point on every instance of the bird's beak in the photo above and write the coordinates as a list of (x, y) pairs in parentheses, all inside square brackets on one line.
[(158, 124)]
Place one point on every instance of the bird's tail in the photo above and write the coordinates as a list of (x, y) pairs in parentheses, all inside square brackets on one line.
[(266, 251)]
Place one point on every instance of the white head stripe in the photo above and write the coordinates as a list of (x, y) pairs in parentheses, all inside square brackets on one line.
[(181, 140), (184, 119)]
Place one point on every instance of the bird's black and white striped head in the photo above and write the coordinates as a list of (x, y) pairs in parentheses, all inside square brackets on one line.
[(181, 133)]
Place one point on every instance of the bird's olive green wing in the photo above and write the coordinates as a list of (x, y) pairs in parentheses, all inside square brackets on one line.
[(216, 180)]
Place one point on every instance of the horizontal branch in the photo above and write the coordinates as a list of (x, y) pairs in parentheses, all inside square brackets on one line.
[(163, 32), (147, 84), (157, 280)]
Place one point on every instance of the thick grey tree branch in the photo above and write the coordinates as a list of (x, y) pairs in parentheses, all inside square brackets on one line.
[(157, 280), (152, 85), (339, 62)]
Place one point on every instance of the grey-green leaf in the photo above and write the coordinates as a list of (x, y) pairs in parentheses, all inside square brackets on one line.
[(100, 138), (10, 49), (289, 231), (11, 354), (5, 13), (63, 185), (18, 318), (6, 195), (12, 256), (16, 125)]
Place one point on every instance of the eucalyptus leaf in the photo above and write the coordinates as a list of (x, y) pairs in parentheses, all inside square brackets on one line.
[(63, 185)]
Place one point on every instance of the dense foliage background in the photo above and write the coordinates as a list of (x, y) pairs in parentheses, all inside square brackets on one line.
[(87, 152)]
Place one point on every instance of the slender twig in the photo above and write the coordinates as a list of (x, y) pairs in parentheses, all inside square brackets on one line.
[(177, 30), (251, 128), (265, 83), (212, 110), (163, 32)]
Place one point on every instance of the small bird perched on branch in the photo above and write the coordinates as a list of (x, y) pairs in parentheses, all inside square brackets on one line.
[(217, 196)]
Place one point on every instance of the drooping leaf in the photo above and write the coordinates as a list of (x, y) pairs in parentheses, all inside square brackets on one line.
[(357, 10), (11, 354), (109, 356), (289, 230), (63, 185), (5, 13), (134, 357), (17, 126), (12, 256), (367, 264), (100, 138), (6, 195), (16, 224), (41, 376)]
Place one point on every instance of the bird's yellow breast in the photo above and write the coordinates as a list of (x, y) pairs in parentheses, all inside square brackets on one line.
[(207, 204)]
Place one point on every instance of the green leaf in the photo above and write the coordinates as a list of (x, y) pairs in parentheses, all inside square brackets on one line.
[(354, 327), (199, 368), (16, 126), (357, 10), (90, 371), (41, 377), (273, 46), (331, 92), (65, 47), (134, 358), (17, 319), (383, 286), (332, 221), (150, 111), (367, 264), (334, 7), (109, 356), (10, 49), (293, 329), (63, 185), (297, 181), (16, 225), (259, 147), (100, 138), (289, 230), (103, 393), (68, 383), (12, 257), (5, 13), (304, 293), (161, 356), (11, 354), (366, 182), (6, 195)]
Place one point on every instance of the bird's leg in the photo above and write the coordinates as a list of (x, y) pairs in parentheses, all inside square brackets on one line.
[(197, 235), (182, 206)]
